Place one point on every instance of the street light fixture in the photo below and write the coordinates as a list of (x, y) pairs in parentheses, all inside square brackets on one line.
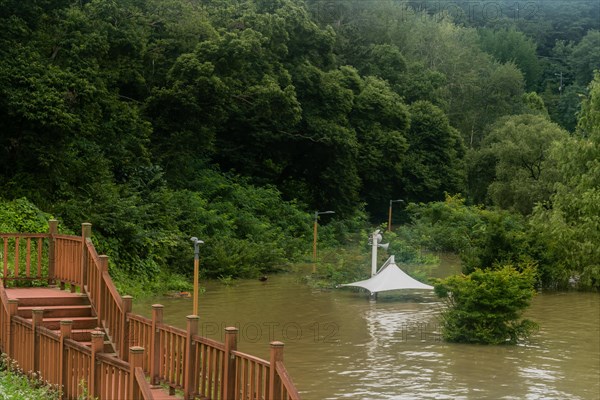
[(317, 213), (390, 213), (197, 243)]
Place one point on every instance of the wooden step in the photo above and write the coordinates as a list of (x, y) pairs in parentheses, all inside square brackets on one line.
[(78, 322), (80, 335), (71, 300), (58, 311), (108, 347)]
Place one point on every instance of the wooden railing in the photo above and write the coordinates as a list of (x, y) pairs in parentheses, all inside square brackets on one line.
[(33, 265), (178, 358)]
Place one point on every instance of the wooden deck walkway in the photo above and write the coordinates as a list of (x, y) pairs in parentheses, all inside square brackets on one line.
[(72, 325)]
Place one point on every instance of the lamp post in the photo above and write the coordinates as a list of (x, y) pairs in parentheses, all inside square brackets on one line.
[(197, 243), (317, 213), (390, 213)]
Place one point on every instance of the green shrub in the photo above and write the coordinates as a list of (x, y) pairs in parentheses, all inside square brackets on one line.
[(20, 215), (443, 226), (345, 265), (486, 306)]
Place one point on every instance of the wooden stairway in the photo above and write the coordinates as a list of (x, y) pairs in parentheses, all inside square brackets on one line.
[(63, 305), (60, 305)]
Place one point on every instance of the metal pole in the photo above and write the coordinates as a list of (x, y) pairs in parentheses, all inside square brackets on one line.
[(196, 272), (375, 242), (374, 252), (197, 243)]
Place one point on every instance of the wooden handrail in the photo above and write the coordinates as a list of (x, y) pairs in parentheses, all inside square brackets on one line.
[(286, 381), (209, 342), (25, 235), (250, 358), (143, 386)]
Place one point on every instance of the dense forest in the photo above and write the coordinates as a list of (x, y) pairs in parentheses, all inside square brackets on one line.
[(234, 120)]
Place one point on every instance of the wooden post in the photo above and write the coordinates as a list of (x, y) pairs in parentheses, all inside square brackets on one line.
[(189, 371), (125, 339), (13, 306), (37, 316), (103, 264), (229, 372), (86, 233), (95, 380), (136, 359), (154, 358), (66, 326), (274, 380), (53, 230)]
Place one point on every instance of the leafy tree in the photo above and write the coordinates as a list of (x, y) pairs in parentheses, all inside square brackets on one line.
[(174, 28), (511, 45), (586, 57), (534, 104), (524, 173), (434, 162), (569, 226), (381, 122), (486, 306)]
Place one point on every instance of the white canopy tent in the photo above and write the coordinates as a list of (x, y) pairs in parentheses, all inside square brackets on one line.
[(389, 277)]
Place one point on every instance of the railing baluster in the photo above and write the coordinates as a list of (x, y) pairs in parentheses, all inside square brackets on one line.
[(5, 256), (16, 257), (39, 258), (28, 259)]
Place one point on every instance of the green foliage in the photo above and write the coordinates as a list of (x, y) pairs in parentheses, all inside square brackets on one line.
[(434, 161), (524, 173), (346, 267), (486, 306), (157, 120), (586, 57), (534, 104), (14, 385), (482, 237), (570, 224), (406, 249), (20, 215), (444, 226), (501, 237), (511, 45)]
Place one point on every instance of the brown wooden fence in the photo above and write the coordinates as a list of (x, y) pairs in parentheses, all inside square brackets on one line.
[(149, 351)]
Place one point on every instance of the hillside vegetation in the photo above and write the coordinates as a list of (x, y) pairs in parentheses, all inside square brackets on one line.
[(233, 121)]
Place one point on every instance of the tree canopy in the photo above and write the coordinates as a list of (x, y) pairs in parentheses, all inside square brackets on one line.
[(157, 120)]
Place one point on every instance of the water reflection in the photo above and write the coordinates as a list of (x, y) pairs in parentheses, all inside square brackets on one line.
[(339, 345)]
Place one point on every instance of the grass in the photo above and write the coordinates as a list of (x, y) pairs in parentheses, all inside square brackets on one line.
[(14, 385)]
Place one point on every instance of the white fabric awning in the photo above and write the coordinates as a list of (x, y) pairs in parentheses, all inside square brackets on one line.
[(390, 277)]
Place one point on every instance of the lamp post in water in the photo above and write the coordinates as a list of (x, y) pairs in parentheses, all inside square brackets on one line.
[(317, 213), (197, 243), (390, 213)]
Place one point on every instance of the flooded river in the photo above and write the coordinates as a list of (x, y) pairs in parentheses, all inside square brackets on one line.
[(339, 345)]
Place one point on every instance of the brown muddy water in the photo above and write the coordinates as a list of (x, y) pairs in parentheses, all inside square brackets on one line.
[(340, 345)]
